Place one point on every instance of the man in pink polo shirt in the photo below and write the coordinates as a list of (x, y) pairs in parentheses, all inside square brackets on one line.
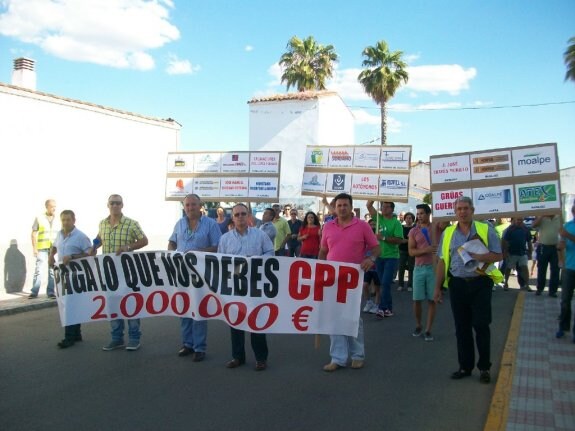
[(348, 239)]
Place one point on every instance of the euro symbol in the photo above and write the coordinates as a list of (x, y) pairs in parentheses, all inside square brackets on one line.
[(299, 317)]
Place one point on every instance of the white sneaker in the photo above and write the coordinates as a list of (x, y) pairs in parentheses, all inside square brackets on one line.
[(368, 306), (373, 309)]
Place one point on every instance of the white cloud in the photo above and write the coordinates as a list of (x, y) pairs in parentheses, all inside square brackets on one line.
[(450, 78), (362, 117), (180, 67), (248, 48), (275, 71), (406, 107), (111, 33), (345, 82)]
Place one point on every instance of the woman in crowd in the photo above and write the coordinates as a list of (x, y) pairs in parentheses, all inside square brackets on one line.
[(222, 219), (406, 262), (309, 235)]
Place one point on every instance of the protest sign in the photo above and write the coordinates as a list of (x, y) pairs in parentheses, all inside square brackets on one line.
[(256, 294)]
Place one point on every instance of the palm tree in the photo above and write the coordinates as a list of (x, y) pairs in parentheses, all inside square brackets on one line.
[(385, 72), (307, 64), (569, 58)]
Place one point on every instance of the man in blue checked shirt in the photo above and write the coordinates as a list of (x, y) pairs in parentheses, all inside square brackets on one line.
[(196, 232)]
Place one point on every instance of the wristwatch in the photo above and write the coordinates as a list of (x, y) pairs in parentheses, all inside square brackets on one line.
[(373, 258)]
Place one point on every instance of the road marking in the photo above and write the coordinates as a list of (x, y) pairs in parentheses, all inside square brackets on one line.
[(499, 409)]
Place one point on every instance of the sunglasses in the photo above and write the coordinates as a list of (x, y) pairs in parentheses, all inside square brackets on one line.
[(240, 214), (115, 203)]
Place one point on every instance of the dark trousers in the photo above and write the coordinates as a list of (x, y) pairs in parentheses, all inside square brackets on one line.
[(73, 332), (406, 263), (471, 308), (259, 345), (548, 257), (567, 287)]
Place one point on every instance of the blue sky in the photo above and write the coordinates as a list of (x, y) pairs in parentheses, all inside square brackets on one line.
[(201, 62)]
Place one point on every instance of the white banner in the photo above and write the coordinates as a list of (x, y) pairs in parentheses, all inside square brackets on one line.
[(256, 294)]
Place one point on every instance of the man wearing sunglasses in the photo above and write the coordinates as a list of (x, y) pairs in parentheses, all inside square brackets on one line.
[(244, 240), (119, 234), (197, 232)]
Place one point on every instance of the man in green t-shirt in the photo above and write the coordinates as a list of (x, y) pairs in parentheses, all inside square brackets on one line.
[(390, 234)]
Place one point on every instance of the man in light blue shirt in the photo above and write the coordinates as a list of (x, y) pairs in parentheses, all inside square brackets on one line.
[(198, 233), (246, 241), (567, 233), (69, 244), (267, 223)]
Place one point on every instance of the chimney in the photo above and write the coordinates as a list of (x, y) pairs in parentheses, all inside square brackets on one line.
[(23, 74)]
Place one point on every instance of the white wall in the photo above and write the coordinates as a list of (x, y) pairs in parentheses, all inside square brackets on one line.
[(79, 154), (289, 125)]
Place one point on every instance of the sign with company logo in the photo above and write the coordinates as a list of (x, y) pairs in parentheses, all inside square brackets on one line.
[(206, 187), (504, 182), (364, 185), (489, 165), (178, 187), (263, 187), (338, 183), (395, 158), (264, 162), (314, 182), (366, 157), (316, 156), (493, 200), (538, 196), (180, 163), (238, 175), (451, 169), (535, 160), (209, 162), (393, 185), (340, 157), (235, 162), (443, 202), (376, 172)]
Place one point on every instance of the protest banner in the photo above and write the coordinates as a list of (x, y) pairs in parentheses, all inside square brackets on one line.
[(257, 294)]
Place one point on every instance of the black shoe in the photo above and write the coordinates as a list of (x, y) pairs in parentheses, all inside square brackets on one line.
[(52, 296), (78, 338), (32, 296), (198, 356), (538, 293), (261, 365), (459, 374), (185, 351), (66, 343), (485, 377), (553, 295), (234, 363)]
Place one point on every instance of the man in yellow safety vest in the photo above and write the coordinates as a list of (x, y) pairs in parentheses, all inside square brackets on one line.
[(470, 286)]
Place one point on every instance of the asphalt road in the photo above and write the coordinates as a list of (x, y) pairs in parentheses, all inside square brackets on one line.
[(405, 384)]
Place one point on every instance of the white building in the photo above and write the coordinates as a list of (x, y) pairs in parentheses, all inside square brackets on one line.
[(79, 153), (290, 122)]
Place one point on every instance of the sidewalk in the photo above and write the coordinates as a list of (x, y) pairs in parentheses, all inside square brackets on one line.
[(11, 303)]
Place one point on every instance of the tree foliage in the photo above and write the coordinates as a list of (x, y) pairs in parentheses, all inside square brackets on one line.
[(307, 65)]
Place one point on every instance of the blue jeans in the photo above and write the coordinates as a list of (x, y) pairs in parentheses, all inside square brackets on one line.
[(194, 334), (134, 333), (341, 347), (385, 270), (41, 265)]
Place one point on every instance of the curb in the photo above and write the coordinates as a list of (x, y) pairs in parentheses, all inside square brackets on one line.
[(499, 409), (15, 306)]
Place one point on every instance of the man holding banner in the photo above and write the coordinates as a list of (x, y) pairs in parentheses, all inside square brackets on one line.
[(119, 234), (248, 241), (197, 232), (348, 239)]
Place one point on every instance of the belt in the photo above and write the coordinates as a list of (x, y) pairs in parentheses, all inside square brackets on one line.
[(468, 279)]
